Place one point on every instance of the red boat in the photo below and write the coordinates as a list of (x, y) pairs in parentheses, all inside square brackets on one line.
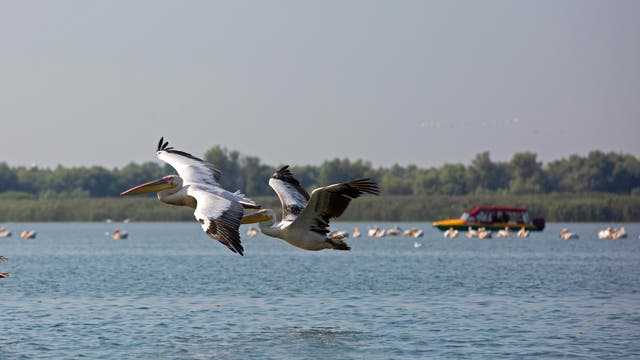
[(493, 218)]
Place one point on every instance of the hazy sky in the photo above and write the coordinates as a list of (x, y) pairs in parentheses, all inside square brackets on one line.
[(300, 82)]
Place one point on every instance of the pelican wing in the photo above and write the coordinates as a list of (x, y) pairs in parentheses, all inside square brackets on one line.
[(330, 202), (191, 169), (293, 197), (218, 216)]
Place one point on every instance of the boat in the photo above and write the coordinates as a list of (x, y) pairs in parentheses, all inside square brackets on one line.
[(493, 218)]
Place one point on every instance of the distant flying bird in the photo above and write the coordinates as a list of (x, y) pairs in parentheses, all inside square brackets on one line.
[(218, 211), (305, 219)]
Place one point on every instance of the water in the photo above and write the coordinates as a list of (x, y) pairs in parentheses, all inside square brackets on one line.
[(170, 292)]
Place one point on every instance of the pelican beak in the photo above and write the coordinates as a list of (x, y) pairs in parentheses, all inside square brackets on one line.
[(258, 216), (151, 186)]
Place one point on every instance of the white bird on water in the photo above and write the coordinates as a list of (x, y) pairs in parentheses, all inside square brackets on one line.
[(218, 211), (305, 219)]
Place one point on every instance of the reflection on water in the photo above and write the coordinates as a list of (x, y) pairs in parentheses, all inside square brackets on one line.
[(168, 291)]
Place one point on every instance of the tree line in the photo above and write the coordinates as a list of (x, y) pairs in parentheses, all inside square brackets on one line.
[(598, 172)]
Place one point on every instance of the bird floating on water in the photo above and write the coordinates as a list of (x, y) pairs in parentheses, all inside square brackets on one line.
[(451, 233), (523, 233), (567, 235), (612, 233), (28, 234), (252, 232), (413, 232), (120, 234), (4, 232), (506, 232)]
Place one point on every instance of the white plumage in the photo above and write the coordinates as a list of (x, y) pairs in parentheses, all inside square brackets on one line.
[(218, 211), (305, 219)]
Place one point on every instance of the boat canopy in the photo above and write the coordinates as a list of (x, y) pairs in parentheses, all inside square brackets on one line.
[(497, 214), (478, 209)]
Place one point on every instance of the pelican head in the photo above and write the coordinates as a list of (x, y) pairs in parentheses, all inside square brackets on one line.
[(165, 183)]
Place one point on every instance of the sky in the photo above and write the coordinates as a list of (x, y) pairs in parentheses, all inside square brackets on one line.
[(423, 83)]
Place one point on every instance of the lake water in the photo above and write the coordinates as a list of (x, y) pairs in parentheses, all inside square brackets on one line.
[(170, 292)]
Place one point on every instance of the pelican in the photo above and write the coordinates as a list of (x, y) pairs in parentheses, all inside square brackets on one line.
[(3, 259), (413, 232), (4, 232), (28, 234), (451, 233), (119, 235), (565, 234), (338, 234), (356, 233), (377, 232), (218, 211), (372, 231), (523, 233), (506, 232), (606, 234), (305, 219), (484, 233), (252, 232), (394, 231), (472, 233), (620, 233)]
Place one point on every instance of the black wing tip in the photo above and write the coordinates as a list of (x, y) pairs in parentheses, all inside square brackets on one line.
[(163, 145), (234, 245), (285, 174), (227, 234), (366, 185)]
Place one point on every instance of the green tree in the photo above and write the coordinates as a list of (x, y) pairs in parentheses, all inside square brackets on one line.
[(229, 163), (526, 172), (8, 178)]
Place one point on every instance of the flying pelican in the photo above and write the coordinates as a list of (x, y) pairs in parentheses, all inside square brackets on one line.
[(305, 219), (218, 211)]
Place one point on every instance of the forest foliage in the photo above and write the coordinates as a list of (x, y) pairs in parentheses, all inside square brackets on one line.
[(598, 172), (578, 188)]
